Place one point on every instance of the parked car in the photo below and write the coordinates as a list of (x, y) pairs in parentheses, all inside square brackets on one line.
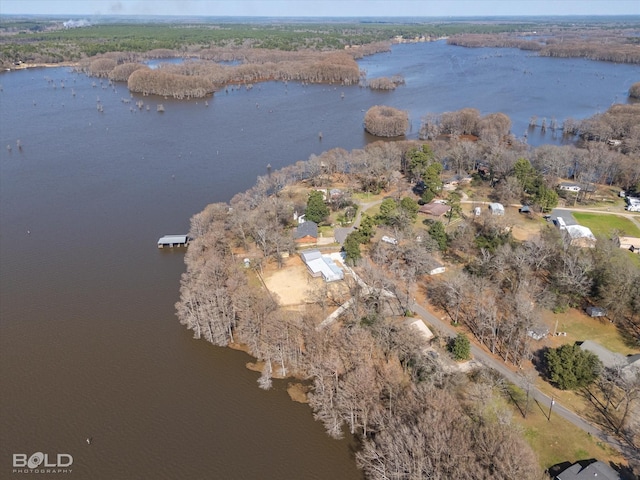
[(525, 209)]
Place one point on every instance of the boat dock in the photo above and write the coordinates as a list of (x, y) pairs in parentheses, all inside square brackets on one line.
[(172, 241)]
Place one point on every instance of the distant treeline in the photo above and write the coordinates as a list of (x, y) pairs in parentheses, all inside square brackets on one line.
[(47, 41), (605, 45)]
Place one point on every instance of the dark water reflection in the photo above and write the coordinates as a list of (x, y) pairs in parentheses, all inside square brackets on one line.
[(89, 342)]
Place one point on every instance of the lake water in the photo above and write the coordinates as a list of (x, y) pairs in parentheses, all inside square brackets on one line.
[(89, 342)]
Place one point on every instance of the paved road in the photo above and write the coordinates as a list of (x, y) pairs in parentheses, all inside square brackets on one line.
[(543, 400), (340, 233)]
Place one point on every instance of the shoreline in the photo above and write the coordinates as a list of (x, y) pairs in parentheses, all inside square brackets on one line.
[(26, 66)]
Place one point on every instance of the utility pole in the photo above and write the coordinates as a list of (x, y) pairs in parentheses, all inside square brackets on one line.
[(550, 407)]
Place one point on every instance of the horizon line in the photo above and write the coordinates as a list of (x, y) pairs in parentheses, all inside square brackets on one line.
[(319, 16)]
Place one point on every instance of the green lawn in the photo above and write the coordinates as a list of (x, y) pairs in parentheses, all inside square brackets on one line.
[(555, 440), (603, 224)]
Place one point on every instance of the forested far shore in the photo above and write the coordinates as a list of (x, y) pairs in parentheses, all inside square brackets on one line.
[(368, 370), (609, 45), (48, 41)]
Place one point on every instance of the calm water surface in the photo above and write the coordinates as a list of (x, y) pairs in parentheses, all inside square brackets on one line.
[(89, 342)]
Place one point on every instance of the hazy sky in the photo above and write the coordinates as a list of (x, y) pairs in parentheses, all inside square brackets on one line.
[(321, 8)]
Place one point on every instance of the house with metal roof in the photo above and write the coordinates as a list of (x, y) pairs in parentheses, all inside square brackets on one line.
[(321, 265)]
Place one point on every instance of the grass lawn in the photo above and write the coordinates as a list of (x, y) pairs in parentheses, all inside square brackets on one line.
[(580, 327), (556, 440), (603, 224)]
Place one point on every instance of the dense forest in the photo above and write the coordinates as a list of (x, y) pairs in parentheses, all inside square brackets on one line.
[(368, 371)]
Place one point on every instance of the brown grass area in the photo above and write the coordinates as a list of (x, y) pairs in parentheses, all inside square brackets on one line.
[(291, 282)]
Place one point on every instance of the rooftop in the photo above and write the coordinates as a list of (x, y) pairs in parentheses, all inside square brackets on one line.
[(599, 470), (435, 209), (306, 229)]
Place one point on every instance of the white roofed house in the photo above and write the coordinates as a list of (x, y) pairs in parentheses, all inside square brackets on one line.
[(321, 265), (581, 236)]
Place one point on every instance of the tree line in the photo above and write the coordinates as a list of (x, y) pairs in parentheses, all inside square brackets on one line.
[(46, 40), (614, 44)]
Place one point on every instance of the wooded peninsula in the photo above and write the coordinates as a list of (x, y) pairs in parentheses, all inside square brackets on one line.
[(352, 346)]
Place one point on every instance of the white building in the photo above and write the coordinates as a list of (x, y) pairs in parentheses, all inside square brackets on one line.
[(569, 186), (580, 235), (496, 208), (321, 265)]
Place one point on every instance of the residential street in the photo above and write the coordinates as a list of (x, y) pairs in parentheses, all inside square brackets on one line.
[(543, 400)]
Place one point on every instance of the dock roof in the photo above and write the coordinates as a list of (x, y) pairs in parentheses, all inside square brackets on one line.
[(172, 239)]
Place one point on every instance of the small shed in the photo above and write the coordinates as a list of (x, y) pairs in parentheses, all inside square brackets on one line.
[(171, 241), (496, 208), (390, 240), (435, 268), (596, 311), (629, 243), (538, 332), (525, 209), (419, 325)]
